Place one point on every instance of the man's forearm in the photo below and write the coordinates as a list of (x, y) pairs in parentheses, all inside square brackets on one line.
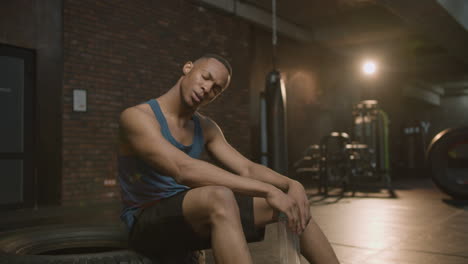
[(197, 173), (267, 175)]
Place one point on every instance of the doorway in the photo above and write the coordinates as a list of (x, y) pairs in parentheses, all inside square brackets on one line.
[(17, 127)]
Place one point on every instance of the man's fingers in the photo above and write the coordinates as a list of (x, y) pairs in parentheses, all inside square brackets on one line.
[(293, 217), (304, 220), (298, 212), (290, 215), (304, 211), (307, 214), (304, 215), (298, 218), (301, 219)]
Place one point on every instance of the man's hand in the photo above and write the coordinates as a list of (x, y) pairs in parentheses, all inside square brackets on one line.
[(297, 193), (286, 204)]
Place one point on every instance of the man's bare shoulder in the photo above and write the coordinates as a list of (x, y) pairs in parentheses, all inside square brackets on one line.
[(205, 121), (209, 126), (137, 113), (136, 120)]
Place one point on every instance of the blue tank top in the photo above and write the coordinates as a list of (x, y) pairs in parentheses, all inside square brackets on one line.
[(140, 184)]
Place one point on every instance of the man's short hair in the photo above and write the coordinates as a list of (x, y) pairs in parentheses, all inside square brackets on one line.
[(219, 58)]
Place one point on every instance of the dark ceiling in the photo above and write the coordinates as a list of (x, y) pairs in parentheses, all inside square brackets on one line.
[(421, 39)]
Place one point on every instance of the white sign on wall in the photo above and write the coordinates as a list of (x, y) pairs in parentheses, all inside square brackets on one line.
[(79, 100)]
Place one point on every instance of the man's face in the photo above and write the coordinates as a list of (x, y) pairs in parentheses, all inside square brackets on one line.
[(203, 81)]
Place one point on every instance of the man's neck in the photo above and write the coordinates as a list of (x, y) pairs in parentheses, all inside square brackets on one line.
[(174, 107)]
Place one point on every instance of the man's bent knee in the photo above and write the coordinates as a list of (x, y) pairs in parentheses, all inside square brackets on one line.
[(222, 203), (203, 206)]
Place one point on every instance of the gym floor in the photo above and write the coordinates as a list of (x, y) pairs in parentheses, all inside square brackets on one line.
[(420, 225)]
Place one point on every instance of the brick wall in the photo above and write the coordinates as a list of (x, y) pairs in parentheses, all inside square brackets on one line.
[(126, 52)]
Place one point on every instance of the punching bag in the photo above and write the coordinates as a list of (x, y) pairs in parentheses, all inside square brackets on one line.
[(275, 95)]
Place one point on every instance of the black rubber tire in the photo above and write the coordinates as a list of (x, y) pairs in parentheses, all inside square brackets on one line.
[(30, 245), (35, 245), (437, 160)]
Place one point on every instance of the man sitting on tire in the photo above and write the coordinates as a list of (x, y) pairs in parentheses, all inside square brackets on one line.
[(173, 201)]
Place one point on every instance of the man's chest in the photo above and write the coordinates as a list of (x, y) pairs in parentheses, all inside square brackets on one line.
[(184, 135)]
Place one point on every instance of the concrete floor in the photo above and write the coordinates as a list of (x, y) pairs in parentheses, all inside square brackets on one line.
[(420, 225)]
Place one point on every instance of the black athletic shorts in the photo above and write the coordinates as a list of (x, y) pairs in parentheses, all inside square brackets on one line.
[(161, 228)]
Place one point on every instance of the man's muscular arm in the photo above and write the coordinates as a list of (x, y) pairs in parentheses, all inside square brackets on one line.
[(222, 151)]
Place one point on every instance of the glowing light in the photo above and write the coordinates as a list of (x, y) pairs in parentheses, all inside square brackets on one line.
[(369, 67)]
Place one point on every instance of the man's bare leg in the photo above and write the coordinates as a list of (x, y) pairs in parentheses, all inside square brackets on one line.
[(315, 247), (213, 211)]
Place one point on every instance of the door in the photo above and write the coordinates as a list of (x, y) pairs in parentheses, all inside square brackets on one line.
[(16, 127)]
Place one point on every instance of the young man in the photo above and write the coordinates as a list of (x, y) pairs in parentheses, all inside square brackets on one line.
[(175, 201)]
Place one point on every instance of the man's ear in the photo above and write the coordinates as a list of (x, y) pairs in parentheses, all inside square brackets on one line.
[(188, 66)]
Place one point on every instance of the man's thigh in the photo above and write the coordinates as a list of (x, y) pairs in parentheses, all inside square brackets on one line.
[(168, 225), (161, 229)]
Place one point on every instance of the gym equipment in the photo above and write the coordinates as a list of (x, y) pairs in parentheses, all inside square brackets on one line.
[(447, 158), (349, 163), (334, 161), (275, 95), (370, 128), (414, 138), (308, 166), (359, 160), (310, 161)]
